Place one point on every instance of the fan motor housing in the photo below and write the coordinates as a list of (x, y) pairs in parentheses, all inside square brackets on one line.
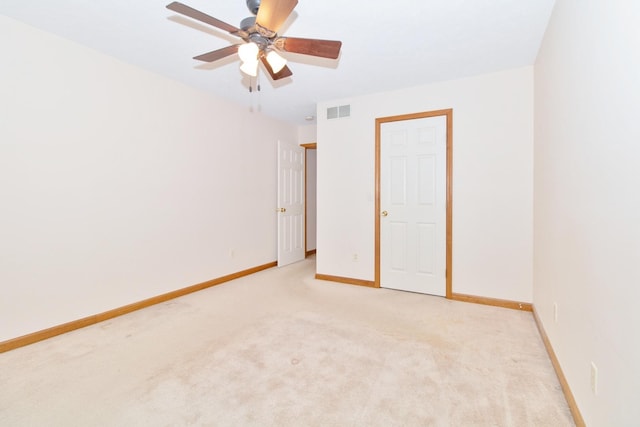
[(247, 23), (261, 41), (253, 6)]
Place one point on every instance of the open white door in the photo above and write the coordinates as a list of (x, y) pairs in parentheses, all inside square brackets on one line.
[(290, 203)]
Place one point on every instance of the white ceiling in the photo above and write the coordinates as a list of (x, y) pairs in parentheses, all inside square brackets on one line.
[(387, 44)]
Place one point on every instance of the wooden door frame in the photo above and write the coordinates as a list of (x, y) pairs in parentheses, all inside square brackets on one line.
[(448, 113), (307, 146)]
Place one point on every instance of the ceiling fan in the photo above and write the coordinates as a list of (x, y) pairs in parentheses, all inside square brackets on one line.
[(261, 40)]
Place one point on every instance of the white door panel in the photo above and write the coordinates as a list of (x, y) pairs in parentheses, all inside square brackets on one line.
[(413, 193), (290, 203)]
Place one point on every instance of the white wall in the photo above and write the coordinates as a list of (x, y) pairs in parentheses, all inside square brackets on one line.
[(587, 202), (492, 181), (307, 134), (118, 185)]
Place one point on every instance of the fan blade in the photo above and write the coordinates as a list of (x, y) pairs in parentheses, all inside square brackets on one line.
[(273, 13), (284, 73), (218, 54), (202, 17), (322, 48)]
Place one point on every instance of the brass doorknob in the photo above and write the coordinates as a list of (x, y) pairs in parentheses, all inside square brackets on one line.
[(384, 213), (282, 210)]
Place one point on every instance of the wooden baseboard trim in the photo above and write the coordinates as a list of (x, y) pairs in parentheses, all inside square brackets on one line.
[(96, 318), (347, 280), (311, 252), (573, 407), (515, 305)]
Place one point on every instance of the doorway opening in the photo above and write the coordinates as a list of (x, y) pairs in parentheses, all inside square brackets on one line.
[(310, 168)]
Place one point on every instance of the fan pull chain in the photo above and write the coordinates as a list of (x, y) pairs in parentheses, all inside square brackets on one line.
[(251, 84)]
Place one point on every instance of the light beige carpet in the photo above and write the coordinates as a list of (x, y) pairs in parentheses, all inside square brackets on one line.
[(280, 348)]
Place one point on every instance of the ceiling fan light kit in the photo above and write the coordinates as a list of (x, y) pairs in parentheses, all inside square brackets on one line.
[(276, 61), (248, 52), (261, 41), (250, 68)]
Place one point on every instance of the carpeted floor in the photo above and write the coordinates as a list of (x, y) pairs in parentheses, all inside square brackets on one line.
[(280, 348)]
